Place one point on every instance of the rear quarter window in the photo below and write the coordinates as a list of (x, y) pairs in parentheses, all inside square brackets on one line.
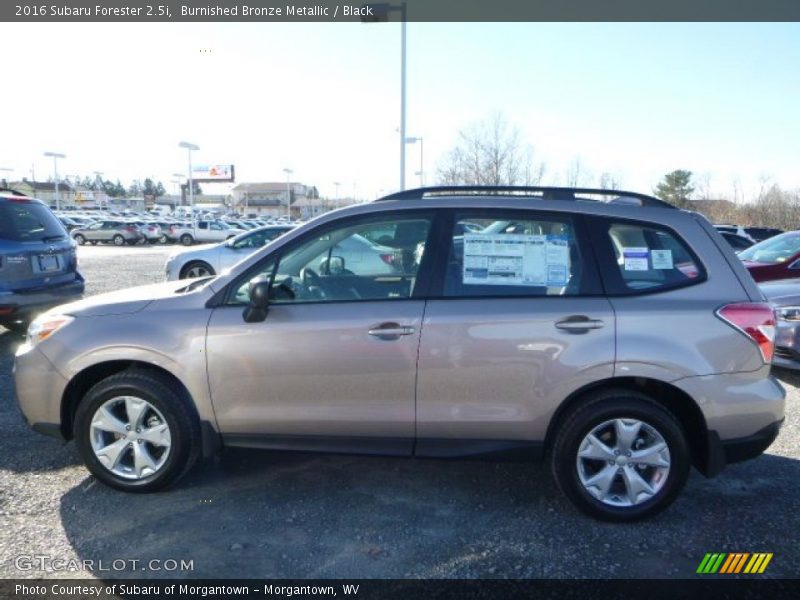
[(645, 258), (28, 221)]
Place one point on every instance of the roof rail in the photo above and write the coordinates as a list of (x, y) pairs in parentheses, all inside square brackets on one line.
[(15, 192), (543, 193)]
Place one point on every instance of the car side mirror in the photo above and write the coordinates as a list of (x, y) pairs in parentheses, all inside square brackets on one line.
[(257, 310)]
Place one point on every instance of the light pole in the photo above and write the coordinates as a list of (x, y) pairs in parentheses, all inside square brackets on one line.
[(421, 173), (56, 156), (336, 197), (181, 177), (189, 147), (381, 12), (288, 193), (9, 170)]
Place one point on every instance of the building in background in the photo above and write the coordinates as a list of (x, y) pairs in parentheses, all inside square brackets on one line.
[(268, 199)]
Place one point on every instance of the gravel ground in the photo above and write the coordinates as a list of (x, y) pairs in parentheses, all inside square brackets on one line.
[(264, 514)]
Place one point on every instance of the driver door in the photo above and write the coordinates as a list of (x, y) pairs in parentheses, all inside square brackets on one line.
[(333, 365)]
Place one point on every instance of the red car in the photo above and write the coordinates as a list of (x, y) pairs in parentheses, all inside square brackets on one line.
[(775, 258)]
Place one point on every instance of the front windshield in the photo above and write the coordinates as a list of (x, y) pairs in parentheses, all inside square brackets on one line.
[(773, 251)]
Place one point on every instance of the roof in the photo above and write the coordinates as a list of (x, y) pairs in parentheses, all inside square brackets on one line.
[(44, 186)]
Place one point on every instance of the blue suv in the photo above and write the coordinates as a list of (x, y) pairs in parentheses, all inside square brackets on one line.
[(38, 261)]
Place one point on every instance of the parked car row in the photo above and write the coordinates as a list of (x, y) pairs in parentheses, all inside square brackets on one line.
[(446, 322), (137, 227)]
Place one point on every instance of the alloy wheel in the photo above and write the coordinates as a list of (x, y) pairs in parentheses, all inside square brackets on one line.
[(130, 437), (623, 462)]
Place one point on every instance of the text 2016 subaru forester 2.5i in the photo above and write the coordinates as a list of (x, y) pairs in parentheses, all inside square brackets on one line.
[(617, 336)]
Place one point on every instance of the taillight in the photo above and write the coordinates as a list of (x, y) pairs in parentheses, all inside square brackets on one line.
[(388, 259), (756, 321), (130, 228)]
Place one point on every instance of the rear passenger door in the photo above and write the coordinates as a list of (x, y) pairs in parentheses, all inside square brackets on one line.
[(518, 322)]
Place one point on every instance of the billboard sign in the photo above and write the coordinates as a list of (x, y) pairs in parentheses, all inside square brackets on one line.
[(213, 173)]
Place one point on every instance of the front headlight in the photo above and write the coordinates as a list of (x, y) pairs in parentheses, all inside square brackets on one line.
[(788, 313), (46, 325)]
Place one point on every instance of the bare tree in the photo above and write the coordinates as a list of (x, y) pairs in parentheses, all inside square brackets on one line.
[(577, 175), (609, 181), (490, 152)]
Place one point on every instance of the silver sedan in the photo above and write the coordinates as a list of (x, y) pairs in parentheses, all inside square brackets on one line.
[(210, 259)]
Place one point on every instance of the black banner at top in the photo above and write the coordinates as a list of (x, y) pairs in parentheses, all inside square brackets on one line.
[(395, 10)]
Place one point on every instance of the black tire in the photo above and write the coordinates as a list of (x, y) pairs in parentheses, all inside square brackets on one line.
[(177, 411), (187, 239), (93, 242), (196, 264), (118, 240), (80, 239), (19, 326), (607, 405), (163, 239), (133, 242)]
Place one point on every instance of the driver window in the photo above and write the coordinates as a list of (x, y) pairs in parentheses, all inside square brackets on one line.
[(347, 263)]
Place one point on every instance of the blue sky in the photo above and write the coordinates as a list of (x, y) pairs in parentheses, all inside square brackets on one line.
[(635, 100)]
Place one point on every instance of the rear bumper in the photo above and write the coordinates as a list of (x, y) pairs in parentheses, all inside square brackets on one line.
[(725, 452), (19, 303), (751, 446)]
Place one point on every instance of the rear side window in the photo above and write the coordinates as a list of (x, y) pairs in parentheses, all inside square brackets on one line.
[(647, 258), (504, 254), (27, 221)]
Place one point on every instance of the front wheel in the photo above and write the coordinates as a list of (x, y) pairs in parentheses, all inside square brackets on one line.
[(620, 456), (197, 268), (16, 325), (136, 432)]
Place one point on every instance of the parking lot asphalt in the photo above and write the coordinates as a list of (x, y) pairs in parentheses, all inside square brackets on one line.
[(262, 514)]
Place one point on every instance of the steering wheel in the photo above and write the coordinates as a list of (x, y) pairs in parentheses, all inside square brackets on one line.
[(309, 277)]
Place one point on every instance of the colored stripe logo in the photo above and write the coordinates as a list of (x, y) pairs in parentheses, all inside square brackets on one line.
[(731, 563)]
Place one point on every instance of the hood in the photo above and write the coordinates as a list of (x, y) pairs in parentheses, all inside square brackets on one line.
[(123, 302), (193, 249), (782, 292)]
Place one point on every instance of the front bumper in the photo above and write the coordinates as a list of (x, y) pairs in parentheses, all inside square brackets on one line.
[(787, 345), (22, 304), (40, 389)]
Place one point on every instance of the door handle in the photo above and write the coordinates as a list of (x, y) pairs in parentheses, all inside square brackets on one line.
[(389, 331), (579, 324)]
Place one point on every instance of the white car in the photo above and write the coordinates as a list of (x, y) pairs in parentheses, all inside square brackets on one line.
[(211, 259), (203, 231)]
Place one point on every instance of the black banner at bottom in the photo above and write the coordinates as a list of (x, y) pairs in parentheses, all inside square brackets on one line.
[(369, 589)]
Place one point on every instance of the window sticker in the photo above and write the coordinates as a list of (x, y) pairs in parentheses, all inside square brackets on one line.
[(515, 259), (662, 259), (635, 259)]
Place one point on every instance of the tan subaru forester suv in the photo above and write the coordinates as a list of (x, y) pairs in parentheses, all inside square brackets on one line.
[(609, 332)]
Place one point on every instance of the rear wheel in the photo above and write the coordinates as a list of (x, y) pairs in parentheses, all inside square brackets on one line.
[(118, 240), (620, 456), (187, 239), (163, 239), (80, 239), (197, 268), (133, 242), (93, 242), (136, 432)]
